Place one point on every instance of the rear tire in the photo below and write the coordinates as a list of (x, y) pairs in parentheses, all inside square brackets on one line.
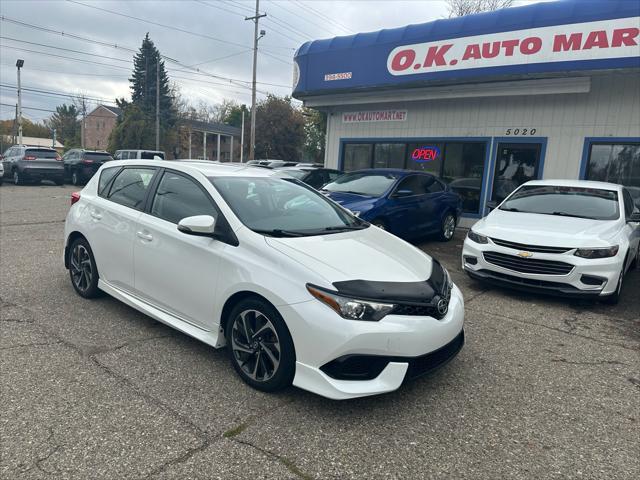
[(18, 179), (260, 346), (75, 178), (83, 271), (448, 227)]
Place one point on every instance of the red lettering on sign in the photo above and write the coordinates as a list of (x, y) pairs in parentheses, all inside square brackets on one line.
[(472, 51), (403, 60), (562, 43), (435, 55), (596, 39), (625, 36), (531, 45), (509, 47), (490, 50)]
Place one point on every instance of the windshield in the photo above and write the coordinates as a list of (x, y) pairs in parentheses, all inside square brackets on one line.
[(283, 207), (580, 202), (41, 153), (299, 174), (362, 183), (101, 157)]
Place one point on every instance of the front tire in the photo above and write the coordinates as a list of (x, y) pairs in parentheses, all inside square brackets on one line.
[(260, 346), (448, 227), (83, 271), (614, 298), (75, 178), (18, 179)]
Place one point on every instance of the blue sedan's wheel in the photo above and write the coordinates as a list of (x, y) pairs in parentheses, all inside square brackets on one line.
[(448, 227)]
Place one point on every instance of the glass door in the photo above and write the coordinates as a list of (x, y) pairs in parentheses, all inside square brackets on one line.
[(516, 163)]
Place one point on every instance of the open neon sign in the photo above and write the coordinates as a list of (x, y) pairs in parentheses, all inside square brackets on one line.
[(426, 154)]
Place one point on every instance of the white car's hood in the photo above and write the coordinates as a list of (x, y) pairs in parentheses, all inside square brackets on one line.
[(548, 230), (368, 254)]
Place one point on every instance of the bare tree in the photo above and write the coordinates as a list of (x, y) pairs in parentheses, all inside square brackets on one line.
[(459, 8)]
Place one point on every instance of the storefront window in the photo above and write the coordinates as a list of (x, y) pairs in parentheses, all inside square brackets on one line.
[(389, 155), (357, 156), (615, 162), (425, 157), (463, 171)]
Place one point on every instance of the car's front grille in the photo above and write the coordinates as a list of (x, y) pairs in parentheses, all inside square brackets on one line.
[(528, 265), (530, 248)]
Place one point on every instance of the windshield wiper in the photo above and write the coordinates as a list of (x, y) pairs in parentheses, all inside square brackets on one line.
[(510, 209), (277, 232), (565, 214), (338, 228)]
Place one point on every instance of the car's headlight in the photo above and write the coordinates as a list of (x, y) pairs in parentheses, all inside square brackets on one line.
[(351, 308), (597, 252), (476, 237)]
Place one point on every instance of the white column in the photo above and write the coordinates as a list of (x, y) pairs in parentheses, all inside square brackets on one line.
[(218, 151), (204, 145), (231, 148)]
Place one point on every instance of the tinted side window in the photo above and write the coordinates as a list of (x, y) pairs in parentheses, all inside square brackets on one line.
[(628, 202), (315, 179), (178, 197), (416, 184), (105, 177), (433, 185), (130, 187)]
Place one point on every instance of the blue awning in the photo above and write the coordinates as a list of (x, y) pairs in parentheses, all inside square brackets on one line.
[(521, 42)]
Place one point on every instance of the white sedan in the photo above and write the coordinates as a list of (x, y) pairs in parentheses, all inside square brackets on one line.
[(298, 289), (563, 237)]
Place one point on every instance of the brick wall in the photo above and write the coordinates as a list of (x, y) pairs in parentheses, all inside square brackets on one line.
[(98, 126)]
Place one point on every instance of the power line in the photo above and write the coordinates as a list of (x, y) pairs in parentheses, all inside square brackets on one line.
[(63, 56), (59, 93), (324, 16), (65, 49)]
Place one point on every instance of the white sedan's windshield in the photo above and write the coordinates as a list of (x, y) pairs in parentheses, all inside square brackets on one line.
[(581, 202), (283, 207)]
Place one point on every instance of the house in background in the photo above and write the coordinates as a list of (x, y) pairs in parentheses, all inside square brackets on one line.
[(10, 140), (210, 141), (98, 126)]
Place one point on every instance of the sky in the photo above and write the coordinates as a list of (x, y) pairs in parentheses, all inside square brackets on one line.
[(209, 41)]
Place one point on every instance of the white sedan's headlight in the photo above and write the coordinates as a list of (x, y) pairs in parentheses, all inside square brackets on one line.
[(351, 308), (597, 252)]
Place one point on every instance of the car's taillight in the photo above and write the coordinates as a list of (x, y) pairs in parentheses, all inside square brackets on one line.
[(87, 161), (75, 197), (29, 157)]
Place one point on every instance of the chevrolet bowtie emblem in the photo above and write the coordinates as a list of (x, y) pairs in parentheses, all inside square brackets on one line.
[(525, 254)]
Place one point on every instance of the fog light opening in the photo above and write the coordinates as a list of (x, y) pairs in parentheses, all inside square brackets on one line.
[(470, 260)]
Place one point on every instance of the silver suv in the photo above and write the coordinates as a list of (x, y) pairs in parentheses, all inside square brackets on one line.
[(32, 164)]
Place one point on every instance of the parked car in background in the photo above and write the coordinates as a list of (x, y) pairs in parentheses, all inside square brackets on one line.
[(298, 289), (80, 165), (138, 155), (1, 170), (406, 203), (562, 237), (635, 194), (32, 164), (312, 176), (271, 163)]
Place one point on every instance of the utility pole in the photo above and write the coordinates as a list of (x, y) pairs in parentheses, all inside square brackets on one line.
[(19, 64), (157, 102), (53, 139), (256, 18), (83, 105), (242, 136)]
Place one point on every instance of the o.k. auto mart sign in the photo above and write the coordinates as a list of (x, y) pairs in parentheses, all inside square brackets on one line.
[(616, 38), (372, 116)]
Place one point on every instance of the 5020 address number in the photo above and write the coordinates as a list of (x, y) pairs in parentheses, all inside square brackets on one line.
[(520, 131)]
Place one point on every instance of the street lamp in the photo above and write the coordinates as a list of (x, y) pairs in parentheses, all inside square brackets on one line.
[(19, 64)]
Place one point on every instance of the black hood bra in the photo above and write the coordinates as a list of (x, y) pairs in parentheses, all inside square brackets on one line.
[(412, 293)]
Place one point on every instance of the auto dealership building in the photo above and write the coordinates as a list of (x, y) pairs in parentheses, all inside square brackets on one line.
[(486, 101)]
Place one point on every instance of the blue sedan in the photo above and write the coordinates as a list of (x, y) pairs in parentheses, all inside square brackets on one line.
[(406, 203)]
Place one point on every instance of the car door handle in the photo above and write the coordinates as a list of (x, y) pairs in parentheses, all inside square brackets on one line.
[(145, 236), (95, 215)]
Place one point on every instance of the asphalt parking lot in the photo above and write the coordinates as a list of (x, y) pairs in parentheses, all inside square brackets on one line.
[(544, 388)]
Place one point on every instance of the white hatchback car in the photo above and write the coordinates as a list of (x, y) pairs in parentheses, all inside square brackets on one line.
[(563, 237), (300, 290)]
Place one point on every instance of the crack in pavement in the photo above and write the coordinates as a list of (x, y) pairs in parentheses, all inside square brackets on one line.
[(598, 362), (288, 464), (556, 329), (35, 344)]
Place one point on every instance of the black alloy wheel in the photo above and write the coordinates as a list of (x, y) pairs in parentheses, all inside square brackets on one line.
[(260, 345), (82, 269)]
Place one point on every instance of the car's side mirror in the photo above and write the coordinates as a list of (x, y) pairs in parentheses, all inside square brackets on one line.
[(492, 204), (634, 217), (199, 225), (403, 193)]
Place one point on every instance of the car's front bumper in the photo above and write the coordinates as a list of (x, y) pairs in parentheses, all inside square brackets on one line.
[(577, 283), (407, 346)]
